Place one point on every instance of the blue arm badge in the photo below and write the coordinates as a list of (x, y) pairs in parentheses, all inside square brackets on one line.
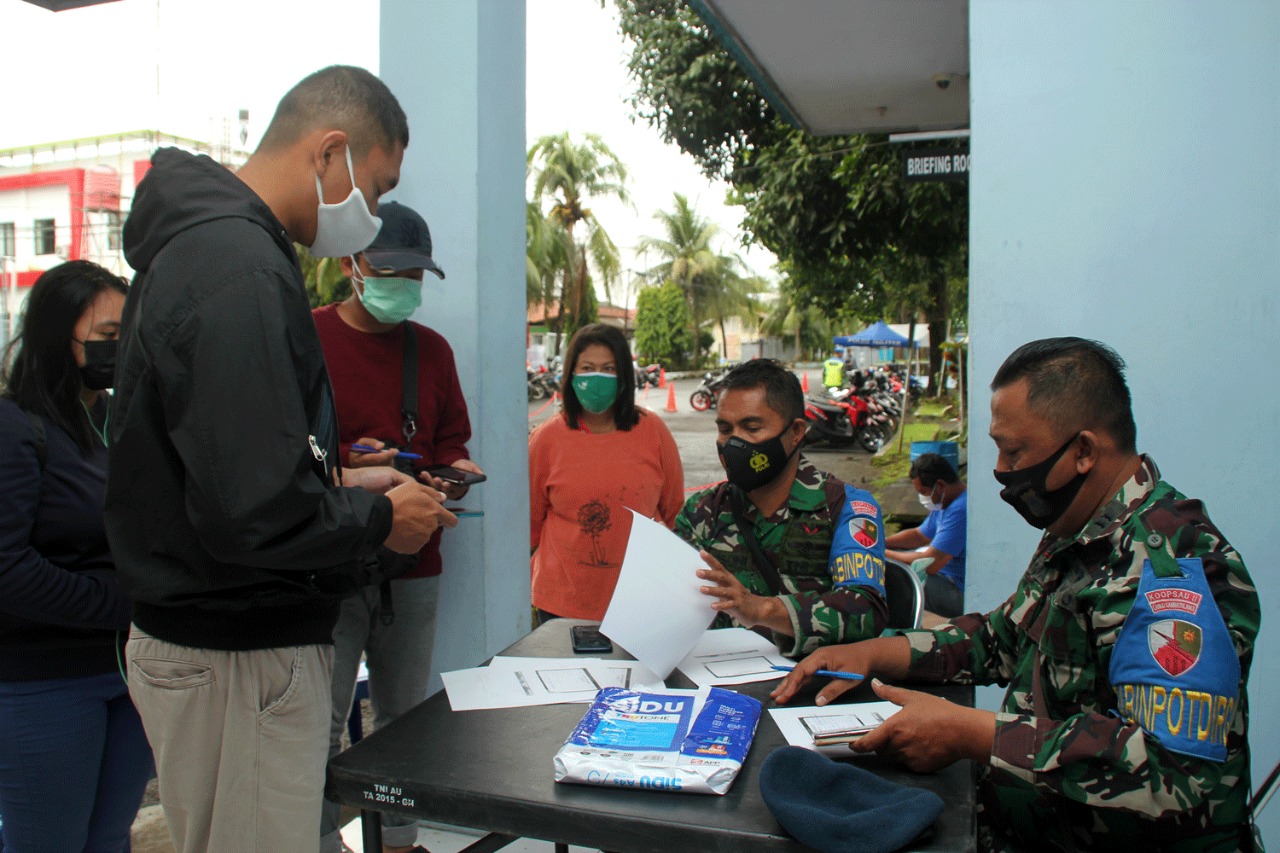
[(857, 546), (1174, 667)]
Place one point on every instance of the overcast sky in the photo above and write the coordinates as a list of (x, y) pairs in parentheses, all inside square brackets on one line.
[(188, 66)]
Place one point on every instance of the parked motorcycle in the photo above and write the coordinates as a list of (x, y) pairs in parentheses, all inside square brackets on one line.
[(542, 383), (844, 421), (707, 395), (648, 377)]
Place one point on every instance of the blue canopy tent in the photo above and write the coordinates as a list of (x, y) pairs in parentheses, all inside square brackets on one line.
[(876, 335)]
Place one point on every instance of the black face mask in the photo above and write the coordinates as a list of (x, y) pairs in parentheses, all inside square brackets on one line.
[(750, 466), (1024, 490), (99, 371)]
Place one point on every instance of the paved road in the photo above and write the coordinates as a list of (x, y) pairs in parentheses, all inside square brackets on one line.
[(695, 434)]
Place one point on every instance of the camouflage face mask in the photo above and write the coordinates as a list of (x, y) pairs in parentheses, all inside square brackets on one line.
[(1024, 490)]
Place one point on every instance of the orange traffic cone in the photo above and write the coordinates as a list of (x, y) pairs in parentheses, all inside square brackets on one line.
[(671, 397), (662, 377), (804, 382)]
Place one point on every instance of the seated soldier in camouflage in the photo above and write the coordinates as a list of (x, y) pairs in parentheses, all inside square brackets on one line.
[(789, 548), (1126, 645)]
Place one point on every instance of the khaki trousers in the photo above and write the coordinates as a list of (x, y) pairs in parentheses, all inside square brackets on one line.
[(240, 741)]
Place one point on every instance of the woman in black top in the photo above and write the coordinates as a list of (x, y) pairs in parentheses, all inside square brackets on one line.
[(73, 757)]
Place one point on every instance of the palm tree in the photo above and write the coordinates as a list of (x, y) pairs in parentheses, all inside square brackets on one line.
[(547, 255), (712, 283), (571, 174), (809, 326)]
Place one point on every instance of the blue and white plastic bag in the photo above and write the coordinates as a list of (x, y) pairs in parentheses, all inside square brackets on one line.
[(690, 741)]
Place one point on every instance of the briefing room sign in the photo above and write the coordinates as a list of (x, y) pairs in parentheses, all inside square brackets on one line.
[(936, 164)]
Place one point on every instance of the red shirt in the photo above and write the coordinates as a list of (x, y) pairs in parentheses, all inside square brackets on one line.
[(366, 370)]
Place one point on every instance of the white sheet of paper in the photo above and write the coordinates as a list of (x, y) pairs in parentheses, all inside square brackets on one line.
[(657, 612), (732, 656), (517, 682), (791, 722)]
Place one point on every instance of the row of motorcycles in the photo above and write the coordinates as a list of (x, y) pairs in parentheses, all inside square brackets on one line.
[(544, 381), (866, 413)]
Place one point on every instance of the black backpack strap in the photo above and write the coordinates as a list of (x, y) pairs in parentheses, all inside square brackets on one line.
[(409, 384), (767, 569), (42, 440)]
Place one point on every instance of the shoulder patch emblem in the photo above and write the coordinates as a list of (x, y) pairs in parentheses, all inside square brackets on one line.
[(864, 531), (1174, 644)]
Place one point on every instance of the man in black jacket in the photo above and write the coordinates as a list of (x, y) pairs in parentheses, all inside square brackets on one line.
[(229, 517)]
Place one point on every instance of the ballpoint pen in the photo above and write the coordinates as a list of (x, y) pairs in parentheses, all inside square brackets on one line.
[(829, 673), (403, 454)]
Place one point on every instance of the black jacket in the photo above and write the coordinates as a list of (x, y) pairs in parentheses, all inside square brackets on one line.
[(62, 612), (220, 510)]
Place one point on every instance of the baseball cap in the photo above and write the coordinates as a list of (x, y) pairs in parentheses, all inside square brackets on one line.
[(403, 243)]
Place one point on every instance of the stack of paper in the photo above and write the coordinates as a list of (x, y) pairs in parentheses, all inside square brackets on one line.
[(732, 656), (515, 682)]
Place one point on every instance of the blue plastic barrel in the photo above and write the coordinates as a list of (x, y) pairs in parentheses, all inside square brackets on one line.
[(948, 450)]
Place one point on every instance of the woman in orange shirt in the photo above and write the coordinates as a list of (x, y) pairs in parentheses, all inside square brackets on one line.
[(601, 457)]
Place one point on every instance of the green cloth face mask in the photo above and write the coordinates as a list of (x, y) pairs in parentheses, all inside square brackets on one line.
[(596, 391), (390, 299)]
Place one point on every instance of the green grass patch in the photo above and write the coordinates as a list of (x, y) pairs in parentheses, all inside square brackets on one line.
[(934, 408)]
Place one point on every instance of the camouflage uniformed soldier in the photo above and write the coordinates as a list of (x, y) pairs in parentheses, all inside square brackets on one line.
[(1126, 646), (815, 574)]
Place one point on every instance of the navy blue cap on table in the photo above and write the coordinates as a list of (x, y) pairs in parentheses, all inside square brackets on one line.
[(839, 808), (403, 242)]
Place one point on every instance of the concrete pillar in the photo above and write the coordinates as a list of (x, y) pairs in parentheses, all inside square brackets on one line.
[(457, 67)]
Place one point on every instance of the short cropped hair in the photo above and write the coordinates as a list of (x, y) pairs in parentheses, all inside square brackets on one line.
[(781, 388), (340, 97), (1075, 384), (625, 415), (930, 468)]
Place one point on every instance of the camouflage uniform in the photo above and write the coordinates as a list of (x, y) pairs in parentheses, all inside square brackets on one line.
[(1066, 771), (823, 608)]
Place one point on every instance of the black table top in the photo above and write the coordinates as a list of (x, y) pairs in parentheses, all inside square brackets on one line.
[(492, 770)]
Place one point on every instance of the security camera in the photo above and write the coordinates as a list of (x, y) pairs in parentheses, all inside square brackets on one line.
[(943, 81)]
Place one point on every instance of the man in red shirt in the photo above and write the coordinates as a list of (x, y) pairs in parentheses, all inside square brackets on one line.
[(365, 350)]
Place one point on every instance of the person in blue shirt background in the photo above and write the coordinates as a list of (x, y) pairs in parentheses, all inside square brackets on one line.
[(941, 537)]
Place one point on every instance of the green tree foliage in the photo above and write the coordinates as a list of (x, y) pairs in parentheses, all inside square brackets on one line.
[(567, 175), (324, 278), (854, 236), (713, 283), (663, 329)]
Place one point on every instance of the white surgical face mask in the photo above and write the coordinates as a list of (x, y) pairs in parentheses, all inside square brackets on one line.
[(346, 227), (929, 503)]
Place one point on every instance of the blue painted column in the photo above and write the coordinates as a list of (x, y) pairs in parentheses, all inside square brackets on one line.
[(1126, 188), (457, 67)]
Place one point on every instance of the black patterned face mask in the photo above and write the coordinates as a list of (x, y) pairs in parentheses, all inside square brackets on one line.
[(1024, 490), (99, 371), (752, 465)]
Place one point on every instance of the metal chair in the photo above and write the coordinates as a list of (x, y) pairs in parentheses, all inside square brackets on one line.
[(904, 594)]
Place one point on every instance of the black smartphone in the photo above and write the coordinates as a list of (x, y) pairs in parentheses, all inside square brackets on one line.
[(587, 639), (453, 475)]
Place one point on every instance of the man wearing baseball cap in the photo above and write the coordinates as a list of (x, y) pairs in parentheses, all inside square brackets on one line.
[(396, 389)]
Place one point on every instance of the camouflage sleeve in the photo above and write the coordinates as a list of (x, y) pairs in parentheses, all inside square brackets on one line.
[(840, 615), (687, 526), (848, 604), (975, 648), (1107, 763)]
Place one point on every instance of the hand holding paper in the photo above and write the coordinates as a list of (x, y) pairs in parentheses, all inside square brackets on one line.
[(658, 611)]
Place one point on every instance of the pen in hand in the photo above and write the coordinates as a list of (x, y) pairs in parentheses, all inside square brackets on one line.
[(829, 673), (403, 454)]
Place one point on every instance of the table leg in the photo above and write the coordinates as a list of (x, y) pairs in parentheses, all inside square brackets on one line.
[(491, 842), (562, 848), (371, 830)]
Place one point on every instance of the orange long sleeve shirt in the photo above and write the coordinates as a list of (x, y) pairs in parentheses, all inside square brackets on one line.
[(581, 486)]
